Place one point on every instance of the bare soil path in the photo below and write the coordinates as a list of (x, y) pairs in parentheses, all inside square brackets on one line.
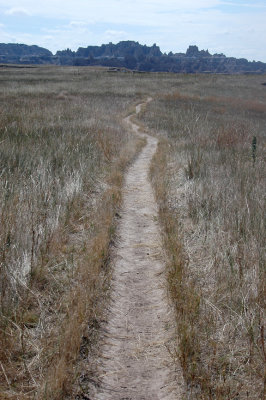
[(135, 360)]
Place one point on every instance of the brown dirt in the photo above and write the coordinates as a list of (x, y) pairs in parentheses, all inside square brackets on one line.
[(138, 341)]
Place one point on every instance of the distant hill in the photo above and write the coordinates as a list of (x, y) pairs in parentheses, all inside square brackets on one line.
[(132, 55), (24, 54)]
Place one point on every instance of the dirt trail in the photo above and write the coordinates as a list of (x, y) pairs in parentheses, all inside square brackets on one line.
[(135, 360)]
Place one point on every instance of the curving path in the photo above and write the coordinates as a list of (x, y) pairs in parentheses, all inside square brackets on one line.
[(135, 361)]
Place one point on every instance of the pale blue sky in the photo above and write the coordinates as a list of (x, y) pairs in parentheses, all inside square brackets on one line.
[(233, 27)]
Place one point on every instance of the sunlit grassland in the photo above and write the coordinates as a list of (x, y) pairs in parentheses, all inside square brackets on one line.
[(63, 152), (209, 176)]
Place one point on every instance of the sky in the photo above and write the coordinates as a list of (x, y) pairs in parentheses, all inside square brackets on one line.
[(236, 28)]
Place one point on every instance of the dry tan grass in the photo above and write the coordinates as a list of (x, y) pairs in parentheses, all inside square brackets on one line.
[(211, 193), (63, 154)]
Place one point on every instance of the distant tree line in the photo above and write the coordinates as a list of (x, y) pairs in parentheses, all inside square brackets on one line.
[(133, 56)]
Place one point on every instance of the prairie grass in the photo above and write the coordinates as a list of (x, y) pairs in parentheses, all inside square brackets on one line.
[(209, 177), (63, 151)]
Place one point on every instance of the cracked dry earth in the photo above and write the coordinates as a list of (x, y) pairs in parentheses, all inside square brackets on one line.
[(138, 339)]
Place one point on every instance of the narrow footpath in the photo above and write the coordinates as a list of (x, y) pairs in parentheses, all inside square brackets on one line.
[(137, 342)]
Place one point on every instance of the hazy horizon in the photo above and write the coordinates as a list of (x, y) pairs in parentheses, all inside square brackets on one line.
[(236, 28)]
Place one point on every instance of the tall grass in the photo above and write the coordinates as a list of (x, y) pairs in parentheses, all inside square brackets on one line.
[(63, 150), (211, 195)]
